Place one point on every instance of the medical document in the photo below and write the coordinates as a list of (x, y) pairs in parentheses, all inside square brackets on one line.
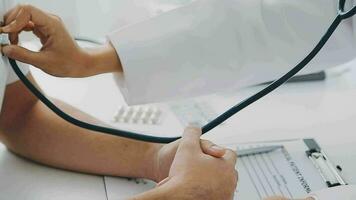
[(285, 172)]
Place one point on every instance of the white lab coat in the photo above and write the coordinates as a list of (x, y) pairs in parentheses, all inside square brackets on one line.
[(211, 45)]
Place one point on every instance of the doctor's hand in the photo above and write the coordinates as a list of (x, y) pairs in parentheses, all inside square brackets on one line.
[(60, 55), (196, 175)]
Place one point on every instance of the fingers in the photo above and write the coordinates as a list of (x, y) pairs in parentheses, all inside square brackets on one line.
[(23, 18), (14, 37), (9, 17), (11, 14), (212, 149), (23, 15), (20, 21), (190, 141), (29, 27), (21, 54), (231, 156)]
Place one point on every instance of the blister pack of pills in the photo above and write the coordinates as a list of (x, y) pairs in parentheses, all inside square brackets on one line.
[(147, 115), (193, 112)]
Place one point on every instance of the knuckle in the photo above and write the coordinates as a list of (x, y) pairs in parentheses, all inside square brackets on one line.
[(206, 143), (52, 72), (233, 153), (26, 8), (20, 5), (231, 178), (236, 175), (56, 18)]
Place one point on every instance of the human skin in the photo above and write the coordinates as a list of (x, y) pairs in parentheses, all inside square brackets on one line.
[(60, 56), (196, 175), (42, 136)]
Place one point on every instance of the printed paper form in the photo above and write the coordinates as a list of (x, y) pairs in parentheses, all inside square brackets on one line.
[(286, 172)]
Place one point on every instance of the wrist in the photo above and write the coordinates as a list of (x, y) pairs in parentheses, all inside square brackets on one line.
[(150, 168), (102, 60), (171, 190)]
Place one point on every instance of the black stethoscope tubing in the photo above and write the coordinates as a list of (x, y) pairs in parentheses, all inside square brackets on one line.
[(342, 14)]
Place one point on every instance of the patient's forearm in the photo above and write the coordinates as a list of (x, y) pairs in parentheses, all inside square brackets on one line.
[(38, 134), (49, 140), (172, 190)]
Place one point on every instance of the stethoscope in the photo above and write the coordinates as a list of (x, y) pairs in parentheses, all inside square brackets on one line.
[(342, 14)]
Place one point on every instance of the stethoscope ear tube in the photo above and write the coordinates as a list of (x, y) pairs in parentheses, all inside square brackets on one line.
[(276, 84), (79, 123), (342, 5), (214, 123), (347, 14)]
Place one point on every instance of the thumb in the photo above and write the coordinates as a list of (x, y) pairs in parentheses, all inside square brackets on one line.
[(190, 141), (22, 54), (212, 149)]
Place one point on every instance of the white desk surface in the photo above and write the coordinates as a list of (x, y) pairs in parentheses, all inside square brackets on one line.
[(323, 110)]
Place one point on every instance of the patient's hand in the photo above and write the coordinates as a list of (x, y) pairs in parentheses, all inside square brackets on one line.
[(195, 175), (166, 154)]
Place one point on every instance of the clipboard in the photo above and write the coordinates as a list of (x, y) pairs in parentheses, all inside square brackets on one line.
[(328, 171), (290, 171), (296, 169)]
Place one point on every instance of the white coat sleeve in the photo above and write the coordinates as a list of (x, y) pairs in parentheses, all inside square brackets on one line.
[(342, 193), (213, 45)]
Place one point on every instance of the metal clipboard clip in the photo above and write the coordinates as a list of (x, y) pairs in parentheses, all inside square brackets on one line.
[(323, 164)]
